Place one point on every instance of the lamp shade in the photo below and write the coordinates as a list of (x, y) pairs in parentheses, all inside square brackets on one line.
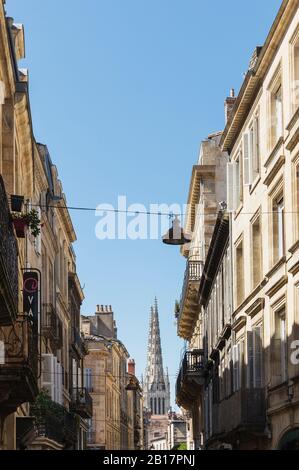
[(175, 235)]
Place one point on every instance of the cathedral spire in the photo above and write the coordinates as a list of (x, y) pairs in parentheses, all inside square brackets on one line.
[(156, 383)]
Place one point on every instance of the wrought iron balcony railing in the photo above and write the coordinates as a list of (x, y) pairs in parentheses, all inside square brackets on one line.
[(18, 374), (56, 423), (188, 302), (51, 325), (191, 377), (8, 263), (81, 402)]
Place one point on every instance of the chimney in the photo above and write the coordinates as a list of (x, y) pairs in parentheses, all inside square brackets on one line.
[(131, 366), (229, 104)]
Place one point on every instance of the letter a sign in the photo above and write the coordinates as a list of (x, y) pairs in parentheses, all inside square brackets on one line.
[(31, 297)]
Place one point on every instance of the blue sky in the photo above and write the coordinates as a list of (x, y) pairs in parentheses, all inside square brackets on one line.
[(122, 92)]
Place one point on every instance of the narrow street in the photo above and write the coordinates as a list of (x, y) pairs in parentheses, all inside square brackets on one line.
[(124, 180)]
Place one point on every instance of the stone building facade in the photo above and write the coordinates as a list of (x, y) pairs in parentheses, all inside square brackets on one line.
[(116, 408), (261, 137), (207, 190), (40, 292), (245, 374)]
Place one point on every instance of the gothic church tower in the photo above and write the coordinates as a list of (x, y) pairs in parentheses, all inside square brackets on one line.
[(156, 385)]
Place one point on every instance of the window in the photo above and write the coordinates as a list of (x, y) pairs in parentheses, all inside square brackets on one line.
[(2, 353), (251, 152), (296, 199), (256, 237), (255, 147), (239, 273), (88, 379), (279, 348), (240, 178), (276, 114), (237, 366), (254, 357), (295, 71), (278, 228), (235, 183), (228, 373)]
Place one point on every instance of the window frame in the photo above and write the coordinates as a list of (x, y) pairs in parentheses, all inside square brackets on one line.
[(257, 217), (276, 84), (239, 298)]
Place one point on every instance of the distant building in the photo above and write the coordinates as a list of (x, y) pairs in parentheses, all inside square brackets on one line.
[(116, 412), (176, 431), (156, 383)]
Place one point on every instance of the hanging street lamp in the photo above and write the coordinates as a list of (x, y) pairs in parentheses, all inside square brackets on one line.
[(176, 235)]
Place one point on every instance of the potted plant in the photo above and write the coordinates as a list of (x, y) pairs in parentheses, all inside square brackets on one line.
[(16, 203), (24, 221)]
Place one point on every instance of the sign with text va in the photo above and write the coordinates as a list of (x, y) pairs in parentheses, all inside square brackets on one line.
[(31, 297)]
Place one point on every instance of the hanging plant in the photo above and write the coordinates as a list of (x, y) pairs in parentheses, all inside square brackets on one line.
[(24, 221), (34, 222), (177, 308)]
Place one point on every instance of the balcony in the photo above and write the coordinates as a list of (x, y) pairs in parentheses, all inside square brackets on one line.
[(51, 326), (244, 411), (53, 423), (8, 263), (81, 403), (191, 378), (18, 374), (189, 302), (78, 343)]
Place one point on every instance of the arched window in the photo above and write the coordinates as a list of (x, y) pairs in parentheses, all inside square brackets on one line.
[(151, 405), (159, 406), (163, 406)]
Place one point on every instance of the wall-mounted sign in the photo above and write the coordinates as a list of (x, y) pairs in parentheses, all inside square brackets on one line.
[(31, 297)]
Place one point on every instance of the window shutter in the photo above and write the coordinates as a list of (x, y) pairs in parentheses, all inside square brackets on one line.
[(242, 377), (88, 379), (258, 357), (79, 378), (2, 353), (48, 374), (246, 159), (59, 383), (55, 367), (2, 92), (235, 388), (250, 358), (237, 367), (231, 186), (75, 383), (255, 150)]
